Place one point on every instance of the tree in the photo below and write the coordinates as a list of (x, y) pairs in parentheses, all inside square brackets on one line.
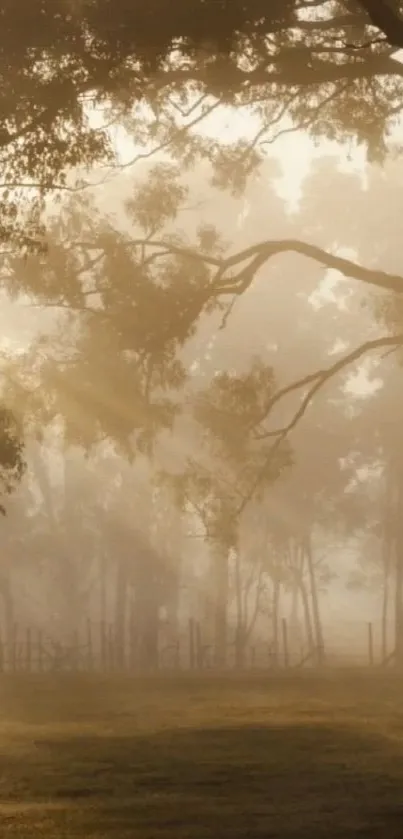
[(89, 540), (387, 18), (322, 68), (314, 495), (102, 263), (226, 412), (374, 430), (159, 72), (12, 461)]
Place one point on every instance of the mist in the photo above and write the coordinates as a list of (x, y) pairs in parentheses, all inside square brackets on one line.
[(96, 538)]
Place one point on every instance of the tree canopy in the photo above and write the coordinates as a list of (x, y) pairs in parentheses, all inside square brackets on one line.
[(328, 66)]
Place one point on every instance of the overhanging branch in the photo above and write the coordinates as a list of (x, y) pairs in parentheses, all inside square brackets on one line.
[(316, 381), (257, 255), (254, 257), (386, 19)]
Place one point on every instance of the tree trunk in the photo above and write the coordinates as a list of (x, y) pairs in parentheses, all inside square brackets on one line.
[(221, 606), (9, 619), (171, 600), (240, 630), (294, 611), (151, 637), (121, 599), (399, 578), (146, 616), (320, 646), (307, 615), (103, 565), (275, 621), (296, 553), (398, 606), (240, 646), (387, 558), (172, 552)]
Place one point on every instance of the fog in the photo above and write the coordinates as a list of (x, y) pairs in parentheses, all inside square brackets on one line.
[(87, 531), (211, 432)]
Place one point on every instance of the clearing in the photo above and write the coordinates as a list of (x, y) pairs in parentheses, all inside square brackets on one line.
[(202, 758)]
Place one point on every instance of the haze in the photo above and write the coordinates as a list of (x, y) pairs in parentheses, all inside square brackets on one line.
[(201, 477)]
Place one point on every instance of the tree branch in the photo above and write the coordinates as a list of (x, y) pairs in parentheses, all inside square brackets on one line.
[(300, 74), (259, 254), (317, 381), (386, 19), (262, 252)]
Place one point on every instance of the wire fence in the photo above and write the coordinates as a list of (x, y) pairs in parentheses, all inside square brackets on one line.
[(100, 647)]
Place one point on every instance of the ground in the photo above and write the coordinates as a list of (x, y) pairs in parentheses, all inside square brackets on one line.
[(304, 757)]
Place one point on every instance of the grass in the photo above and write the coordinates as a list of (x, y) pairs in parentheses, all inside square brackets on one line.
[(304, 757)]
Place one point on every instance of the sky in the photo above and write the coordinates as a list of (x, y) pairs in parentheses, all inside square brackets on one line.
[(295, 151)]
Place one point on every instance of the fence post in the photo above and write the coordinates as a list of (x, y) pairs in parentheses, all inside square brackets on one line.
[(285, 642)]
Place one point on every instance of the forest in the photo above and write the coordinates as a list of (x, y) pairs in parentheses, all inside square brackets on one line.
[(205, 359)]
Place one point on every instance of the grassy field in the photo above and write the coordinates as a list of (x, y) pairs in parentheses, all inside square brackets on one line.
[(302, 757)]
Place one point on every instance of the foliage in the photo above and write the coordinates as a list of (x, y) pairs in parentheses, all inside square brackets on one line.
[(12, 460), (162, 70), (216, 486), (115, 370)]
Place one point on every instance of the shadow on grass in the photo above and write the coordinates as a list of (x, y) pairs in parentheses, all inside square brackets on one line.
[(245, 782)]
